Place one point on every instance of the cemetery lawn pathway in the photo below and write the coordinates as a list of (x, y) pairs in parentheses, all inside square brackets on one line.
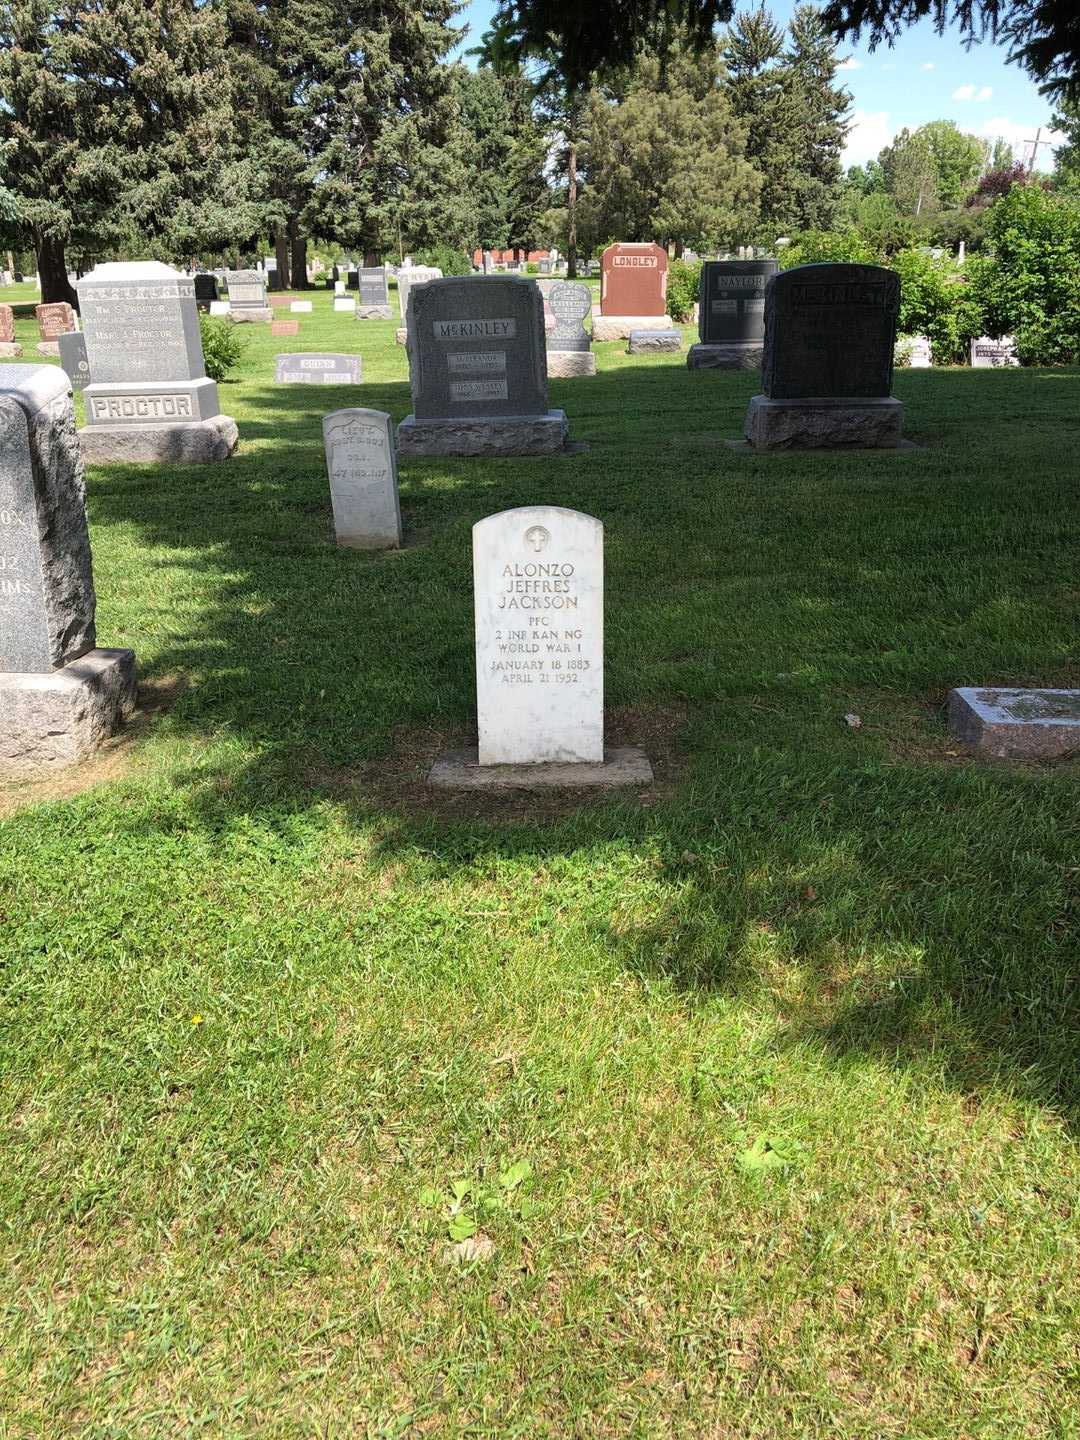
[(744, 1108)]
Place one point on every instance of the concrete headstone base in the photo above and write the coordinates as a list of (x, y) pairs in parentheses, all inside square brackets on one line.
[(621, 765), (1017, 724), (484, 435), (49, 347), (199, 442), (654, 342), (401, 335), (60, 717), (825, 424), (11, 349), (569, 364), (253, 315), (618, 327), (724, 357), (373, 312)]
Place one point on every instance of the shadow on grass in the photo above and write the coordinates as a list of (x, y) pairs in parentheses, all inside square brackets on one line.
[(908, 907)]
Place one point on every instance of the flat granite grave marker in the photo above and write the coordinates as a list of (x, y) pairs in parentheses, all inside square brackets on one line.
[(830, 334), (60, 696), (374, 301), (247, 297), (10, 348), (149, 396), (361, 462), (988, 353), (654, 342), (538, 591), (633, 291), (285, 327), (1016, 724), (731, 314), (478, 371), (219, 307), (569, 345), (318, 369), (345, 304), (73, 358)]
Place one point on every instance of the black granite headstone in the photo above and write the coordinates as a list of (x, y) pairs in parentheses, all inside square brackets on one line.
[(830, 332), (206, 290), (731, 301)]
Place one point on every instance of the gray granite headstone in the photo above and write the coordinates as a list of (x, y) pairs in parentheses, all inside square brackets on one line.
[(1017, 724), (410, 275), (247, 291), (374, 289), (73, 358), (570, 303), (362, 464), (830, 332), (46, 587), (990, 353), (318, 369), (476, 347), (731, 301)]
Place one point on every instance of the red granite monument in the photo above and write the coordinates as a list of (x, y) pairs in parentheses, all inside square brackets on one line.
[(633, 290)]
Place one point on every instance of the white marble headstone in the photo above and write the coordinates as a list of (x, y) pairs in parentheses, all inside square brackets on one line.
[(345, 304), (362, 464), (538, 581)]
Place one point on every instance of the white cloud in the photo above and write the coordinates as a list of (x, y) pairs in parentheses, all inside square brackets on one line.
[(972, 92), (929, 65), (870, 132), (850, 64), (1020, 137)]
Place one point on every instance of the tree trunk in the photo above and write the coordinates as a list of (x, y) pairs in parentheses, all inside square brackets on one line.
[(281, 255), (571, 214), (298, 247), (52, 267)]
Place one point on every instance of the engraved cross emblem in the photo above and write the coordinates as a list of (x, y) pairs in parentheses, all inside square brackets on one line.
[(537, 537)]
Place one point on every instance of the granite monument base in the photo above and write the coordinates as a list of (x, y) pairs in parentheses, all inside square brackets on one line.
[(49, 347), (373, 312), (654, 342), (61, 716), (618, 327), (252, 315), (724, 357), (484, 435), (622, 765), (10, 349), (197, 442), (569, 364), (824, 424), (1017, 724)]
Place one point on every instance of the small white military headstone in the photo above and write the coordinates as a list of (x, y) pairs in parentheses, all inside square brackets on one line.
[(538, 579), (362, 465), (300, 307), (921, 354), (339, 287), (345, 304)]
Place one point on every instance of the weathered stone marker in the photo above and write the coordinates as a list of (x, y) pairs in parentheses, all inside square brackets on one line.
[(149, 396), (374, 300), (654, 342), (345, 304), (569, 346), (731, 314), (247, 297), (60, 697), (318, 369), (410, 275), (10, 348), (478, 370), (633, 291), (300, 307), (1017, 724), (361, 462), (538, 583), (988, 353), (53, 320), (73, 358), (830, 333)]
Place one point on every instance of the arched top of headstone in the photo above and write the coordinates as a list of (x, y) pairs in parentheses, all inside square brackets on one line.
[(533, 519), (830, 332)]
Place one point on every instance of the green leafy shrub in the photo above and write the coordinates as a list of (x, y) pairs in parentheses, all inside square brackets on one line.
[(818, 246), (448, 260), (222, 345), (936, 301), (1029, 282), (682, 289)]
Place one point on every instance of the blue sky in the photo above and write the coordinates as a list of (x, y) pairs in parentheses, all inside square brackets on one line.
[(924, 77)]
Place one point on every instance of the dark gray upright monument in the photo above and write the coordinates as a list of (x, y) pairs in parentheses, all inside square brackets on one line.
[(827, 368), (478, 370), (731, 314), (60, 696), (374, 293)]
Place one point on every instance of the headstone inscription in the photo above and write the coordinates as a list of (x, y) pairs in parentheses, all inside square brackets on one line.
[(538, 595), (919, 352), (569, 347), (374, 301), (633, 291), (73, 358), (60, 697), (830, 333), (361, 462), (247, 297), (149, 397), (206, 291), (731, 314), (989, 353), (54, 319), (318, 369), (410, 275), (10, 348), (477, 370)]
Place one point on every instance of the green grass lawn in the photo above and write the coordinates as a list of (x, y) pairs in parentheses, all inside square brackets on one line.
[(265, 1001)]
